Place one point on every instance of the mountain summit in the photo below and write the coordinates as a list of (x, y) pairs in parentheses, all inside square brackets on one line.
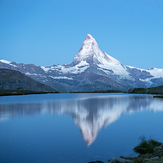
[(91, 70), (90, 53), (87, 51)]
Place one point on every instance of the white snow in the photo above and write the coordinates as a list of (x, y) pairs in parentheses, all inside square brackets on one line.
[(154, 72), (136, 68), (147, 80), (79, 68), (89, 45), (112, 64), (46, 69), (27, 73), (61, 77), (4, 61), (7, 62), (104, 61)]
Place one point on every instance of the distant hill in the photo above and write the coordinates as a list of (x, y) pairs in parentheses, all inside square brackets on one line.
[(14, 80), (152, 90)]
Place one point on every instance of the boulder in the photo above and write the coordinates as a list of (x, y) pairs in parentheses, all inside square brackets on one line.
[(159, 148)]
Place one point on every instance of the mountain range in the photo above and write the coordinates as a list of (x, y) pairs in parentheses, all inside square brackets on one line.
[(90, 70)]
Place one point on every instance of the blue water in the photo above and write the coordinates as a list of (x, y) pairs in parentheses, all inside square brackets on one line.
[(75, 128)]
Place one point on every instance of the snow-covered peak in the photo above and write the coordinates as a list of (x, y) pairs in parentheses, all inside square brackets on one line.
[(91, 54), (88, 46), (4, 61), (89, 37), (90, 40), (7, 62)]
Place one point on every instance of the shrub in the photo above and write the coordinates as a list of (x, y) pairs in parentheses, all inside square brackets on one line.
[(146, 146)]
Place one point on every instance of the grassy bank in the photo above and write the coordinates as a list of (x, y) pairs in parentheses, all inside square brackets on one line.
[(150, 151)]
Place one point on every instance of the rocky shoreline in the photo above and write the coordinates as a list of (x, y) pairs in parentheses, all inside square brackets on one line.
[(156, 156)]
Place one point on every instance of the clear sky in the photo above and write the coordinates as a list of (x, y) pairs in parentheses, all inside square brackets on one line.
[(47, 32)]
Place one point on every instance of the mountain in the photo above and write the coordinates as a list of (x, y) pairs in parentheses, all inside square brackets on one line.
[(13, 80), (151, 78), (34, 72), (93, 69), (90, 70)]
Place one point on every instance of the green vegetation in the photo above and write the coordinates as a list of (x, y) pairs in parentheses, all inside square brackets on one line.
[(19, 92), (108, 91), (150, 151), (14, 80), (152, 90), (158, 96), (146, 146), (101, 91)]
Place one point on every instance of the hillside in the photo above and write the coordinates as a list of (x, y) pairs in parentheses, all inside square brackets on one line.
[(14, 80), (152, 90)]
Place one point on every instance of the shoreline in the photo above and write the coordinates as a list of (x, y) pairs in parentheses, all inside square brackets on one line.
[(20, 92), (150, 151)]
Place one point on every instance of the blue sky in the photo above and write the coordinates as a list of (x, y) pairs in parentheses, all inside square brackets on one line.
[(47, 32)]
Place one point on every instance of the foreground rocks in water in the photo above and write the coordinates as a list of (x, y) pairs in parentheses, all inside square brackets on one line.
[(122, 160)]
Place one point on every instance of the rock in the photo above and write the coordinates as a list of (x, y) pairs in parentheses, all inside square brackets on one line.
[(153, 158), (160, 147), (122, 160)]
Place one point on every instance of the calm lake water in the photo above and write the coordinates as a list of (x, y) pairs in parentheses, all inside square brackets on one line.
[(76, 128)]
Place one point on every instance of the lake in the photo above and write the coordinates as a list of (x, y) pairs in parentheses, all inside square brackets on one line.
[(76, 128)]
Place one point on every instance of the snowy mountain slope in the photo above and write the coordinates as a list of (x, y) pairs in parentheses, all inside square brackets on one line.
[(151, 77), (88, 55), (90, 70), (93, 69), (33, 71), (91, 53)]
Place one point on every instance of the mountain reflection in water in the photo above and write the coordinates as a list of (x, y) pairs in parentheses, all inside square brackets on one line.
[(90, 114)]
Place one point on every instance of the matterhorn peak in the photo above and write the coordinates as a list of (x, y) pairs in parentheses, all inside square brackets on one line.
[(89, 40), (88, 49), (89, 37)]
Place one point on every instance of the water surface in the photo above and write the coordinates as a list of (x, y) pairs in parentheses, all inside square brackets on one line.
[(75, 128)]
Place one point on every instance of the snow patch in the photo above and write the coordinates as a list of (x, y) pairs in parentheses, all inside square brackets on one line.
[(27, 73), (4, 61), (7, 62), (61, 77), (79, 68), (46, 69), (156, 72)]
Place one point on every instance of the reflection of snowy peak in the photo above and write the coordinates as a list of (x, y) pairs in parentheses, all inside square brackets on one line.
[(91, 124), (90, 114), (90, 70)]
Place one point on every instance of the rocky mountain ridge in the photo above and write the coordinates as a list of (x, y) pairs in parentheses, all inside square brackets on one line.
[(90, 70)]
